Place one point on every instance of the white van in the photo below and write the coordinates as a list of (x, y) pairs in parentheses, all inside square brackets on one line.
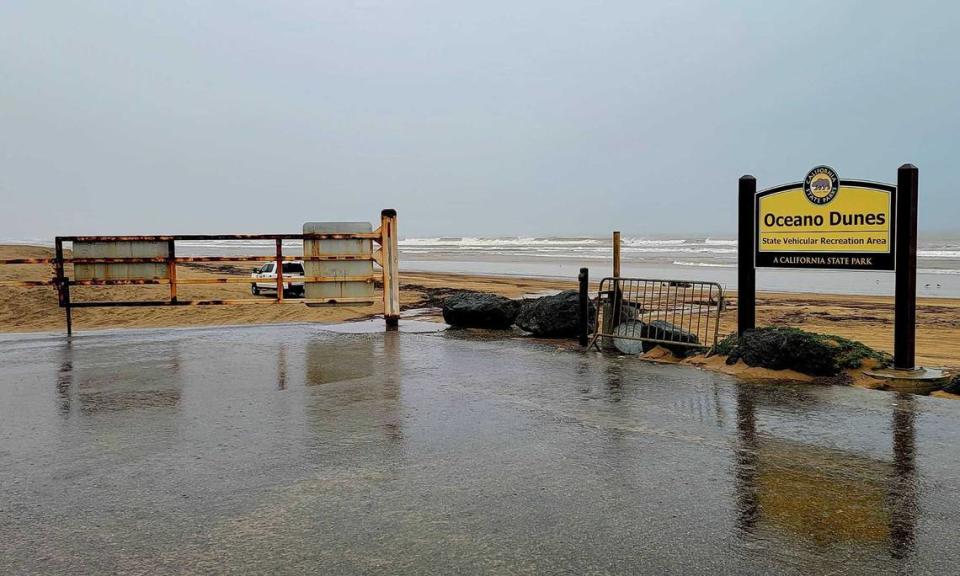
[(265, 278)]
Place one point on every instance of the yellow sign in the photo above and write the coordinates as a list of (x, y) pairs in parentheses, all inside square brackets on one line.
[(825, 222)]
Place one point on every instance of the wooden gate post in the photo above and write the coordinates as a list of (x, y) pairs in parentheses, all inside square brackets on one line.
[(391, 268), (617, 292), (616, 253)]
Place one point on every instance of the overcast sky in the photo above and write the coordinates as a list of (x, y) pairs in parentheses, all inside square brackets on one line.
[(469, 118)]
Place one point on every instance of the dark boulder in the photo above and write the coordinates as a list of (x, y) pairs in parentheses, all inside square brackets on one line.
[(553, 316), (953, 386), (480, 310), (662, 330), (806, 352)]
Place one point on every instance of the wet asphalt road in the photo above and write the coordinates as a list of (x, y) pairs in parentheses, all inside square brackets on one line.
[(290, 450)]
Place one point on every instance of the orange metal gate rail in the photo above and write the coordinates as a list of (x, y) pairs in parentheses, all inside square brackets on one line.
[(386, 256)]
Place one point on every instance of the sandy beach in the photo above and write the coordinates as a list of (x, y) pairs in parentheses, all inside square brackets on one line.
[(868, 319)]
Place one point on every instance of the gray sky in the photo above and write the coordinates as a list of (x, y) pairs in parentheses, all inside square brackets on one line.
[(479, 118)]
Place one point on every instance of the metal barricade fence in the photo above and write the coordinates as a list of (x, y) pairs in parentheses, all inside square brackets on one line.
[(673, 312)]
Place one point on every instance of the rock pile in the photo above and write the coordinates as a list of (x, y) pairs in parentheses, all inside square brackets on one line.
[(480, 310), (548, 317), (789, 348), (553, 316)]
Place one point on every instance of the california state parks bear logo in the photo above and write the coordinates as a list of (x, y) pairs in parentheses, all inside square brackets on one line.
[(821, 185)]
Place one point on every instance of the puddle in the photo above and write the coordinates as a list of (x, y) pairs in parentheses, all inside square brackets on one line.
[(376, 325), (347, 449), (420, 312)]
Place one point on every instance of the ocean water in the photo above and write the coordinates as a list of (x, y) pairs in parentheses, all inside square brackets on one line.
[(679, 257)]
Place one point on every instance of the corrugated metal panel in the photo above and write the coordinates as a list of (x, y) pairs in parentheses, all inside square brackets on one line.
[(338, 268), (120, 250)]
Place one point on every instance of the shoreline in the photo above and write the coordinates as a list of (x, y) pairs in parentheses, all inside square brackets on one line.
[(773, 280)]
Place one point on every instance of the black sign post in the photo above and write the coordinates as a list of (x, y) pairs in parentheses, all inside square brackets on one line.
[(905, 307), (746, 273), (900, 256)]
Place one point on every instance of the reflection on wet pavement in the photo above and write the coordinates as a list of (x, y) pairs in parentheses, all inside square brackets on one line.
[(295, 449), (825, 495)]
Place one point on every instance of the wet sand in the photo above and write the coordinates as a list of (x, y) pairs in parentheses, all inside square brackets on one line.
[(293, 450), (865, 318)]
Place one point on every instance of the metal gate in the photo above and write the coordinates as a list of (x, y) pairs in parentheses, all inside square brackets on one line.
[(671, 312), (329, 249)]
